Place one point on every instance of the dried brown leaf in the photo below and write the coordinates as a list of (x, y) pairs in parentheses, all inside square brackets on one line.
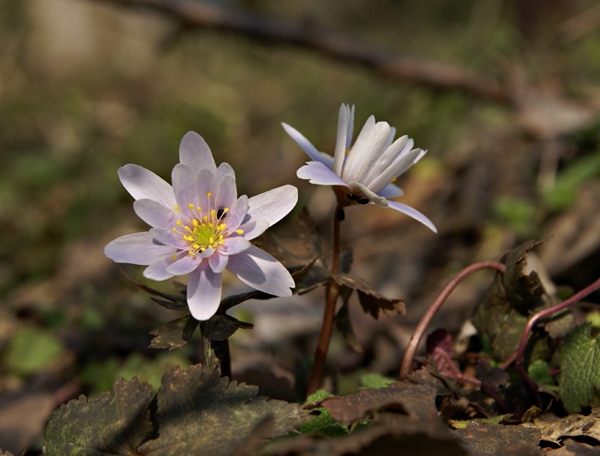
[(371, 301), (497, 439), (406, 397), (554, 429)]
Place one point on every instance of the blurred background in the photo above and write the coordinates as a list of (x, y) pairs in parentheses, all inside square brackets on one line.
[(504, 95)]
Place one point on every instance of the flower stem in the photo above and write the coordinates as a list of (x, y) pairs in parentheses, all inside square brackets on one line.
[(331, 295), (545, 313), (435, 306)]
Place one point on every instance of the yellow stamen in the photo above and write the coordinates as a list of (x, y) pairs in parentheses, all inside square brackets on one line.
[(176, 208), (394, 179), (210, 225), (192, 254), (179, 222), (195, 222), (205, 218), (203, 249), (211, 240), (175, 230), (191, 206), (222, 241), (212, 213), (173, 257), (188, 238), (209, 194), (199, 209), (239, 231), (196, 246)]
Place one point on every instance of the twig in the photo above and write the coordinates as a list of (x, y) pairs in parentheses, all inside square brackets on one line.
[(435, 306), (192, 14)]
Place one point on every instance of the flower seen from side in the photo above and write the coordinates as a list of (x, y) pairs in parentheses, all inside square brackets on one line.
[(199, 226), (366, 169)]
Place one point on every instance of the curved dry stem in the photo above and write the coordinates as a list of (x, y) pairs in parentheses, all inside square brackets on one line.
[(435, 306)]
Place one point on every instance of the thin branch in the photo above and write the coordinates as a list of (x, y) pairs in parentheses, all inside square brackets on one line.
[(192, 14)]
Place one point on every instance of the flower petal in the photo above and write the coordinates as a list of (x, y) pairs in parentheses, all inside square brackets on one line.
[(261, 271), (141, 183), (226, 194), (390, 191), (137, 248), (413, 213), (319, 174), (254, 229), (234, 245), (185, 188), (204, 292), (400, 165), (205, 184), (158, 270), (236, 214), (168, 237), (401, 145), (184, 265), (344, 136), (273, 205), (366, 150), (154, 213), (357, 187), (218, 262), (223, 170), (307, 146), (195, 153)]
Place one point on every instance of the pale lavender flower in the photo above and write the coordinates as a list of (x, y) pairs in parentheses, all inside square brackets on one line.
[(201, 227), (366, 168)]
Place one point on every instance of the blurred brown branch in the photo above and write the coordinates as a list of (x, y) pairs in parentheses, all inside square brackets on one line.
[(192, 14)]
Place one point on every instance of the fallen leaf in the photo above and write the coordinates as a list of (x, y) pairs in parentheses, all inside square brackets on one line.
[(554, 429), (500, 439)]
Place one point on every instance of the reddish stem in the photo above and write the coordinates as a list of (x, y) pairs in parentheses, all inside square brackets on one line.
[(545, 313), (458, 375), (332, 294), (435, 306)]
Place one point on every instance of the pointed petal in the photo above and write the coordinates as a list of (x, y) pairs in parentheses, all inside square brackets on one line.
[(319, 174), (154, 213), (141, 183), (236, 214), (226, 194), (387, 158), (185, 188), (390, 191), (357, 187), (218, 262), (223, 170), (195, 153), (260, 270), (307, 146), (399, 166), (235, 244), (342, 138), (413, 213), (273, 205), (204, 292), (158, 270), (366, 150), (205, 184), (184, 265), (168, 237), (137, 248), (254, 229)]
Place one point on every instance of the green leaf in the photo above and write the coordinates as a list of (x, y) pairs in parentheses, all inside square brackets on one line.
[(109, 424), (220, 327), (174, 334), (540, 372), (580, 369), (376, 381), (200, 413), (323, 423), (31, 350), (462, 424)]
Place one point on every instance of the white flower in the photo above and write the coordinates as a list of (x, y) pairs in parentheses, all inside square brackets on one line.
[(367, 168), (201, 227)]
